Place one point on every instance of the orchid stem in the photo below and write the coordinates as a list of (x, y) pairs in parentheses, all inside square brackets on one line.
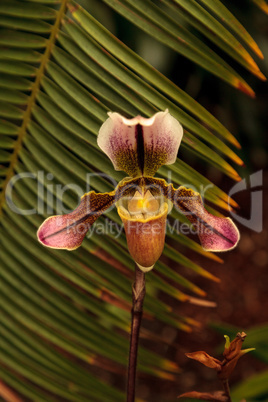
[(226, 387), (138, 293)]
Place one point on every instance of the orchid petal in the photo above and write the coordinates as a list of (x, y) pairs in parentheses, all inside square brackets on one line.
[(140, 146), (68, 231), (215, 233)]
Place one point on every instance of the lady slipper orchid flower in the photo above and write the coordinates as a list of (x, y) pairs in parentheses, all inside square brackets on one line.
[(139, 147)]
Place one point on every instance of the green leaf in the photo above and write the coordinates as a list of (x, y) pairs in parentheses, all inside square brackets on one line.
[(11, 67), (216, 32), (103, 88), (22, 40), (26, 55), (8, 128), (262, 4), (159, 101), (49, 357), (252, 388), (106, 39), (6, 142), (128, 57), (13, 82), (10, 111), (164, 29), (13, 96), (25, 24), (19, 9), (232, 22)]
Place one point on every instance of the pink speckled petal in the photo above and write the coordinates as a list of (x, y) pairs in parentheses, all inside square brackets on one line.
[(221, 234), (215, 233), (68, 231), (140, 146)]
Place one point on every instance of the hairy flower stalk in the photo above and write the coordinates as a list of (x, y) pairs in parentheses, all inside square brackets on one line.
[(139, 147), (138, 293)]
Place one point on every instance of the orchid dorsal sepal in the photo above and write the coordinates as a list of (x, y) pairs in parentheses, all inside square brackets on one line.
[(140, 146)]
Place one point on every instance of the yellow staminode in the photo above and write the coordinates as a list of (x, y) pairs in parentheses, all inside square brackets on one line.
[(143, 204)]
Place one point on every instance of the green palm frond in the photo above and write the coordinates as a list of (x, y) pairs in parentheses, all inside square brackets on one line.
[(254, 387), (61, 70), (262, 4)]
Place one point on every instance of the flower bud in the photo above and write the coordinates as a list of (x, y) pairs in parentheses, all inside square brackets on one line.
[(232, 352), (232, 349)]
